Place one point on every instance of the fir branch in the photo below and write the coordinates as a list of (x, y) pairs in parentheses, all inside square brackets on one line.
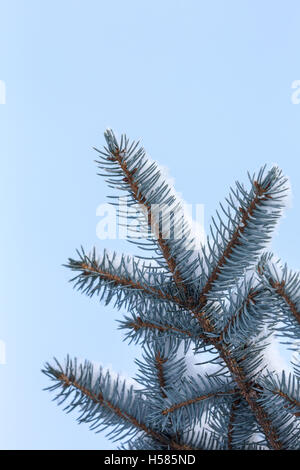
[(245, 386), (235, 239), (279, 288), (81, 382), (99, 399), (238, 246), (286, 388), (190, 401), (139, 323), (243, 312), (210, 336), (148, 329), (163, 323), (221, 310), (119, 281), (129, 281), (280, 397), (160, 370), (252, 397), (250, 299), (236, 427), (233, 361), (285, 287), (131, 162), (232, 417), (291, 402), (198, 399), (118, 156)]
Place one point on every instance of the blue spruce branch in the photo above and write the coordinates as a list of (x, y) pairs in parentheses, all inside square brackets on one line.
[(222, 301)]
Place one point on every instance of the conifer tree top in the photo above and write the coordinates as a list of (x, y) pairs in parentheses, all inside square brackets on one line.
[(223, 304)]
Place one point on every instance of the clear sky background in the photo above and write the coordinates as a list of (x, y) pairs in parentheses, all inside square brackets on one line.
[(205, 84)]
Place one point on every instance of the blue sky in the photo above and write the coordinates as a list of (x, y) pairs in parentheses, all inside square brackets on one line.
[(206, 85)]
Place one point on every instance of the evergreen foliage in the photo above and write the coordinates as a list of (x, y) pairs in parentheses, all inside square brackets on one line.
[(224, 302)]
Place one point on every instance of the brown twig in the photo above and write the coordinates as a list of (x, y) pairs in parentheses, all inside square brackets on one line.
[(163, 328), (127, 282), (159, 362), (191, 401)]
